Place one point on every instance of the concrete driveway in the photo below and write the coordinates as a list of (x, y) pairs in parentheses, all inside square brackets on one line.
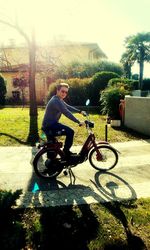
[(130, 179)]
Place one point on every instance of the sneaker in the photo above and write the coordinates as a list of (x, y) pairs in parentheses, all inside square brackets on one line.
[(68, 153)]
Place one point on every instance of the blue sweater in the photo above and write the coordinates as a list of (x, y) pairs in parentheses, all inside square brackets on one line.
[(55, 108)]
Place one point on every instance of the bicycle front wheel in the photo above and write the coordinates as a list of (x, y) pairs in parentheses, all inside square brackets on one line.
[(105, 160), (47, 164)]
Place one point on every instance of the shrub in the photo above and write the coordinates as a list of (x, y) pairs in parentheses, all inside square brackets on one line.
[(146, 84), (135, 77), (78, 92), (78, 69), (110, 67), (110, 100), (12, 232), (13, 101), (127, 83), (7, 200), (3, 91), (98, 83)]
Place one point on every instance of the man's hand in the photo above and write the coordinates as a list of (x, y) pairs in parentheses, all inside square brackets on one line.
[(84, 113)]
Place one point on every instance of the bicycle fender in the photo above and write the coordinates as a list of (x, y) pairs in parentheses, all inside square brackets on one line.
[(107, 143), (100, 143)]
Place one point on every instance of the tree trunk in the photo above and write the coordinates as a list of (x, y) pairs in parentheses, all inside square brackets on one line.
[(33, 130), (129, 71), (141, 66), (141, 74)]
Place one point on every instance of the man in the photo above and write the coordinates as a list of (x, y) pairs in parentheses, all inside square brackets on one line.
[(54, 109)]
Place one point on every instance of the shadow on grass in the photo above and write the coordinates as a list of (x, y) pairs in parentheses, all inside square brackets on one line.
[(15, 138), (66, 224), (108, 185), (69, 227), (131, 133), (134, 242)]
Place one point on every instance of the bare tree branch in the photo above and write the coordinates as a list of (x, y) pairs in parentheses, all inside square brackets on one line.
[(16, 27)]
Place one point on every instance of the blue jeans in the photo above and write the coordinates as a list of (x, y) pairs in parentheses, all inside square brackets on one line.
[(67, 131)]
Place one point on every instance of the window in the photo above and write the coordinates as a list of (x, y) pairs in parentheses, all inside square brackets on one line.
[(16, 95)]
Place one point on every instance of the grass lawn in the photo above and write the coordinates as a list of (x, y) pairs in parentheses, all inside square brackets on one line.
[(14, 128)]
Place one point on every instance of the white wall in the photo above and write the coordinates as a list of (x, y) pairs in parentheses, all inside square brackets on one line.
[(137, 114)]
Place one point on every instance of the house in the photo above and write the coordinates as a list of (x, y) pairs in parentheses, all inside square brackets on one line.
[(14, 63)]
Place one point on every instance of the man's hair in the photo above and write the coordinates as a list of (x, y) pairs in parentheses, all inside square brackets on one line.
[(62, 84)]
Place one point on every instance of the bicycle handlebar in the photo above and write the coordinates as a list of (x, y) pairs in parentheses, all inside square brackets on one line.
[(89, 124)]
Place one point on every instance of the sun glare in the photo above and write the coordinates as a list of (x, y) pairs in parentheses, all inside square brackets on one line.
[(103, 22), (49, 18)]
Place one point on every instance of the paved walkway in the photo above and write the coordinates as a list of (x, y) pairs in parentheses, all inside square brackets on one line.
[(130, 179)]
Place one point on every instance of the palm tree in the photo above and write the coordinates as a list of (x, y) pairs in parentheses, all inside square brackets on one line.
[(138, 50), (127, 64)]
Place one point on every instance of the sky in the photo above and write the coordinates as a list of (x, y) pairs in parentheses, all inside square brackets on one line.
[(105, 22)]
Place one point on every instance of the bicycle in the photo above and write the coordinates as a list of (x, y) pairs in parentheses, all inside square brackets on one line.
[(50, 159)]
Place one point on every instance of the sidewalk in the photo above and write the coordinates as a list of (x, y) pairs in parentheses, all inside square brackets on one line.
[(130, 179)]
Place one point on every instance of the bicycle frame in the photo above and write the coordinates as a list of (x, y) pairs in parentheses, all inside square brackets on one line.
[(50, 151), (89, 144), (54, 159)]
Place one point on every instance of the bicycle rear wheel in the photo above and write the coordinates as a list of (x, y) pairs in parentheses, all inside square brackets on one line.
[(47, 163), (107, 159)]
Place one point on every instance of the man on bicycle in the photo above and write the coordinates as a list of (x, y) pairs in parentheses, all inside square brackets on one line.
[(54, 109)]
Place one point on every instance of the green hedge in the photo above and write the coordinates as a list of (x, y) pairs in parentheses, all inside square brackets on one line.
[(99, 82), (110, 100), (127, 83), (78, 92)]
